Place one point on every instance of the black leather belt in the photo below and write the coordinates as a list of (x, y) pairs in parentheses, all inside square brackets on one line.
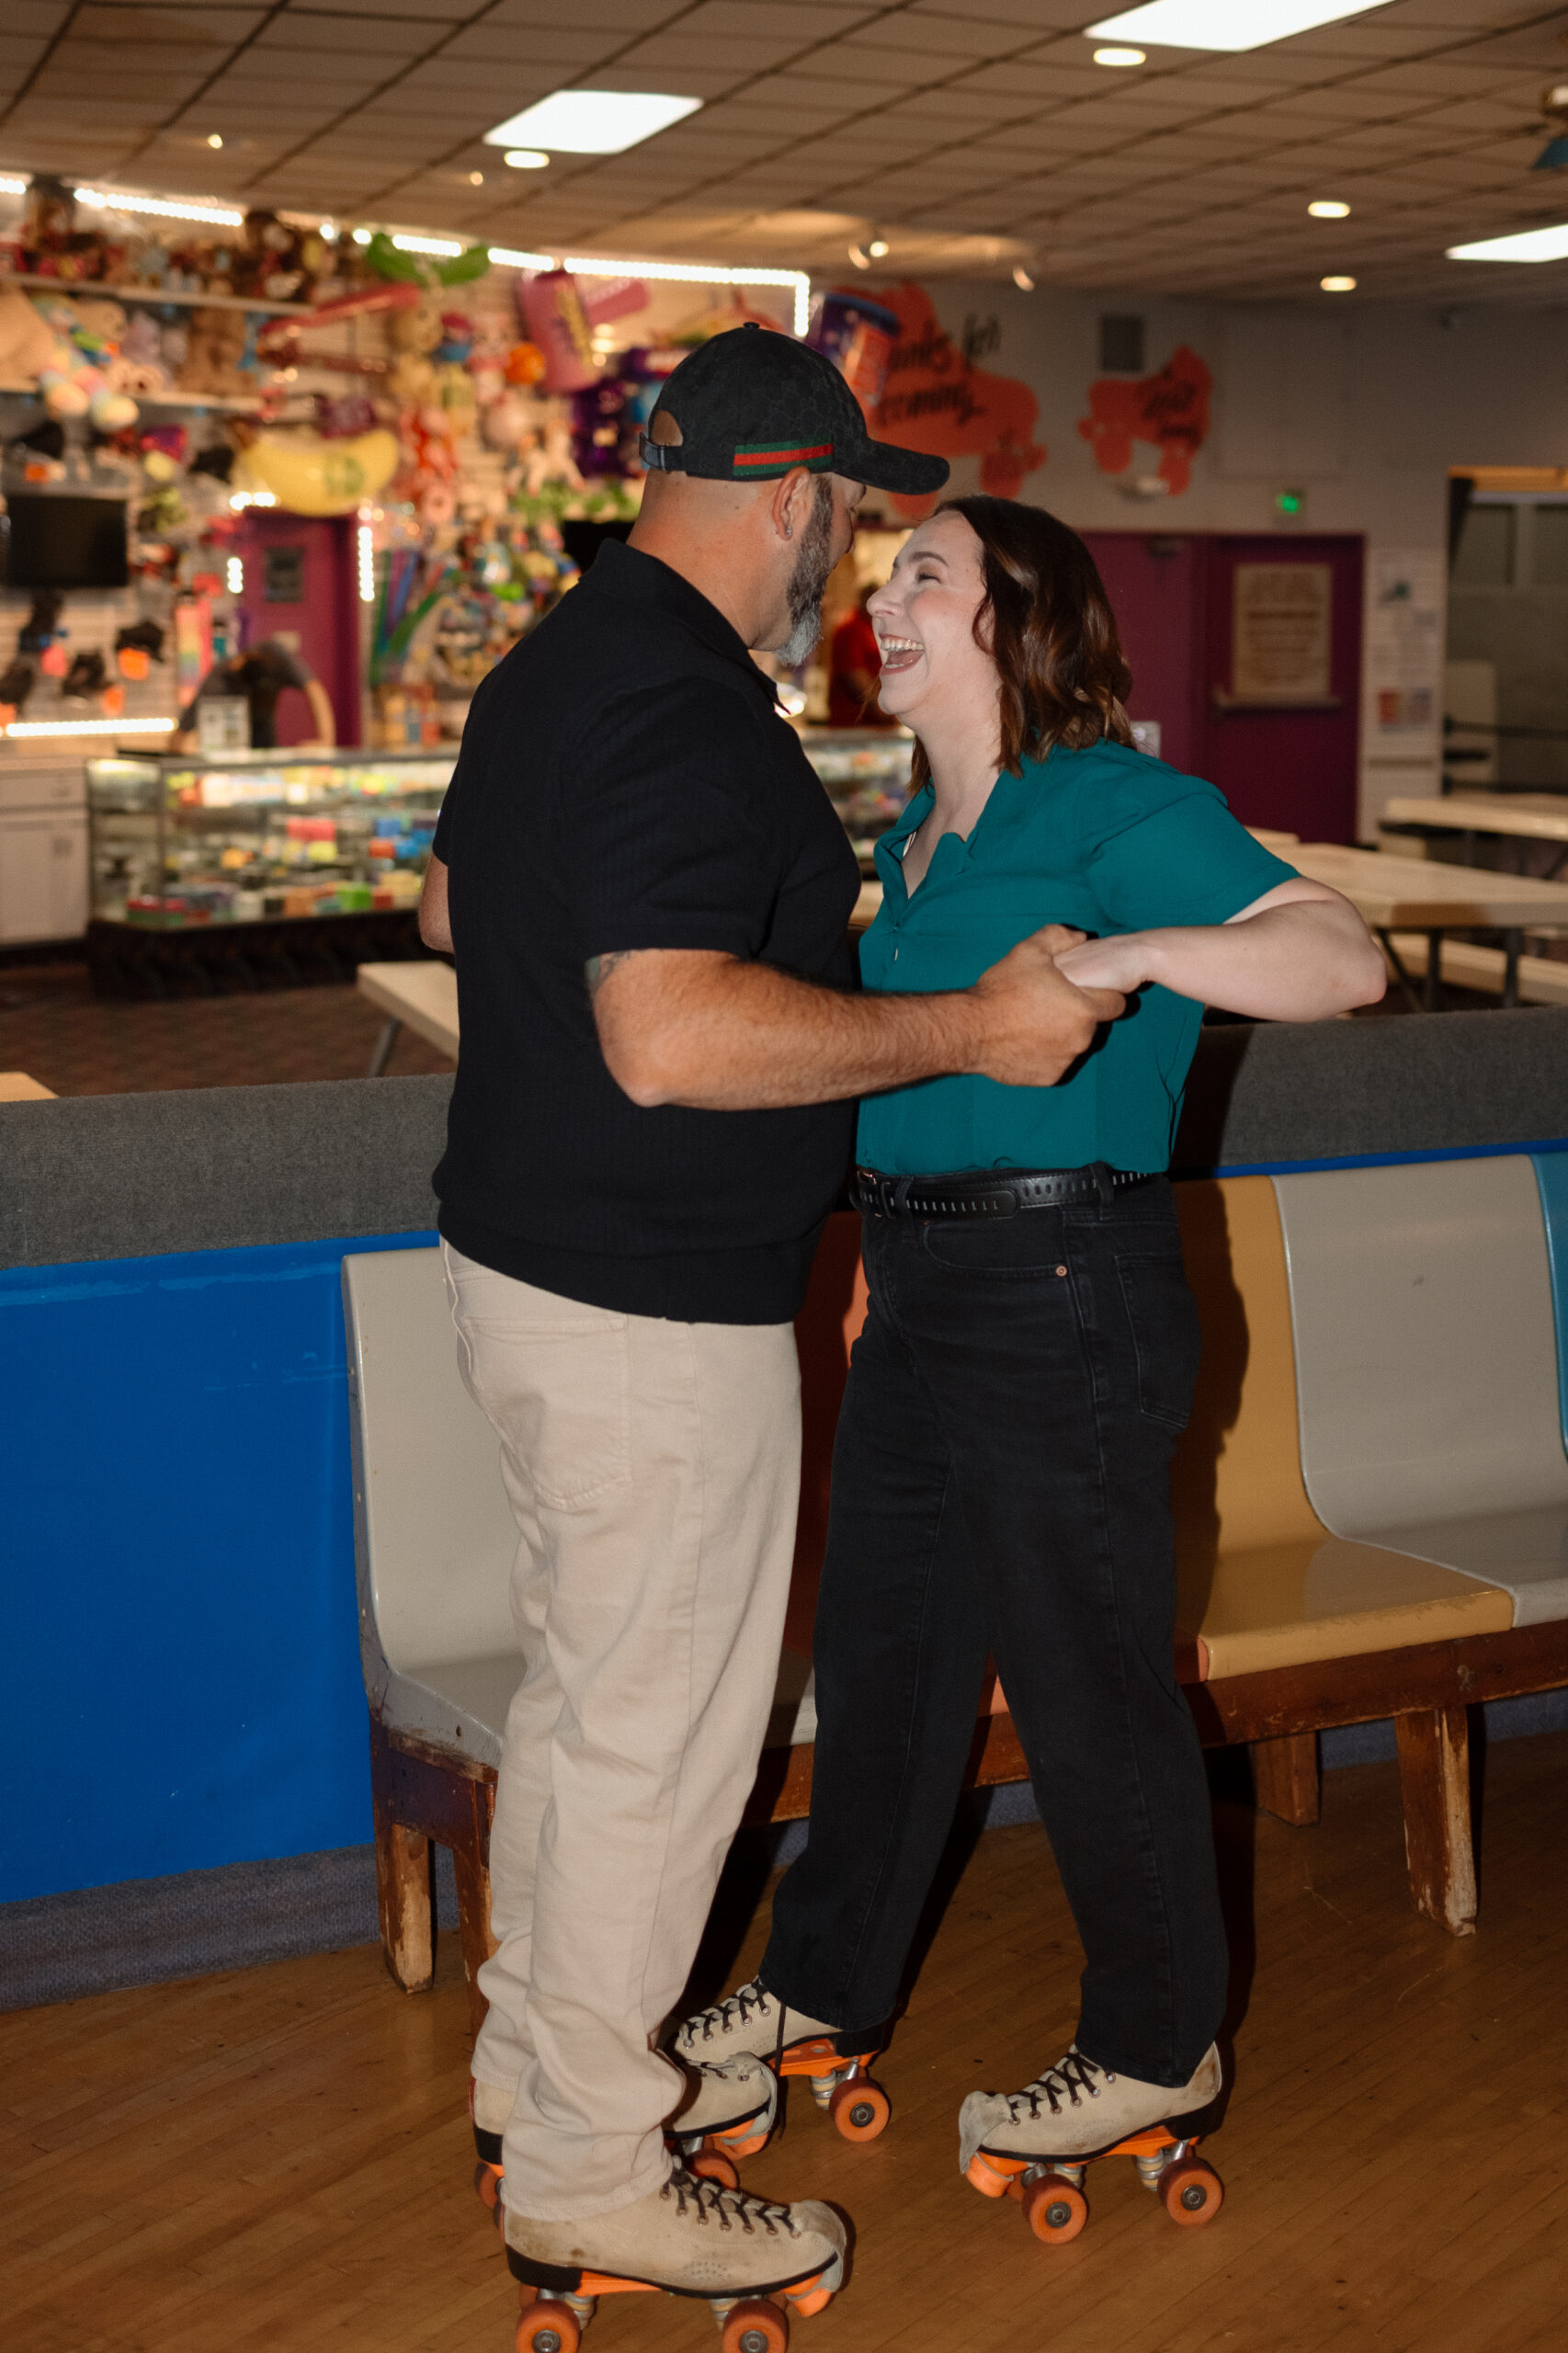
[(981, 1195)]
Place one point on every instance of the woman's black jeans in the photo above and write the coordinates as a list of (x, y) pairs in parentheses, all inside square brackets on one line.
[(1000, 1482)]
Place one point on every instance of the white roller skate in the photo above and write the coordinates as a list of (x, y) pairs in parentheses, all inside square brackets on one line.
[(751, 2261), (1034, 2144), (755, 2022)]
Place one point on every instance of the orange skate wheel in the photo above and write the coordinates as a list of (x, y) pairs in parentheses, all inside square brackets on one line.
[(1191, 2192), (755, 2326), (549, 2327), (991, 2179), (1056, 2211), (739, 2145), (711, 2165), (859, 2110), (486, 2183), (808, 2297)]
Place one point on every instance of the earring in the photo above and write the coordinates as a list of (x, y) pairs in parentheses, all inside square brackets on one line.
[(788, 530)]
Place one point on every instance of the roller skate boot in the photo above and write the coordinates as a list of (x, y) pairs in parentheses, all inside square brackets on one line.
[(1035, 2144), (751, 2261), (735, 2101), (754, 2020)]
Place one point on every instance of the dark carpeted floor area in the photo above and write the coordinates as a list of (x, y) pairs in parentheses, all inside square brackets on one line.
[(54, 1029)]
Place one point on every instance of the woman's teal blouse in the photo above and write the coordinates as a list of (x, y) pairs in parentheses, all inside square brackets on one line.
[(1107, 840)]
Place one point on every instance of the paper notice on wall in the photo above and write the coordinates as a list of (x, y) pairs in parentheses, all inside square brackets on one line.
[(1282, 632), (1406, 590)]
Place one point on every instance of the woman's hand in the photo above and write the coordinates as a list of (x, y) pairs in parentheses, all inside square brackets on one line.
[(1300, 953), (1123, 963)]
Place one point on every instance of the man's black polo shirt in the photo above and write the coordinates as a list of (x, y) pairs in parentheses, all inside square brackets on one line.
[(626, 781)]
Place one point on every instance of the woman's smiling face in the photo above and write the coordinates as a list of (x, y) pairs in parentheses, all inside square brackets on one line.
[(924, 622)]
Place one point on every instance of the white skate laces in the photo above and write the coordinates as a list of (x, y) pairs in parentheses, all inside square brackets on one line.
[(1065, 2082), (710, 2201)]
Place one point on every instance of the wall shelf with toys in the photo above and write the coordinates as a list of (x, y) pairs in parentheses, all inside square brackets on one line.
[(222, 401), (155, 295)]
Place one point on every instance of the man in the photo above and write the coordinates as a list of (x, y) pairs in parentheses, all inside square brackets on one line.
[(261, 676), (853, 666), (647, 894)]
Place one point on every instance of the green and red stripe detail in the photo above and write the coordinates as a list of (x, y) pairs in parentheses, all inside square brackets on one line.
[(774, 457)]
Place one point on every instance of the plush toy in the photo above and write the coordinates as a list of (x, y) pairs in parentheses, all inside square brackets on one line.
[(27, 345), (308, 477), (414, 334), (75, 382), (214, 347)]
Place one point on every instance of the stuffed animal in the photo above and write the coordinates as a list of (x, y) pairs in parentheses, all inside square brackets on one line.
[(74, 380), (27, 345), (414, 334), (215, 347)]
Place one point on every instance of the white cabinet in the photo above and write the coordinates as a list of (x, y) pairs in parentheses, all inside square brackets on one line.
[(43, 855)]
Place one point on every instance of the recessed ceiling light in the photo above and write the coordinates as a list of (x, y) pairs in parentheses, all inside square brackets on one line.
[(876, 248), (1338, 285), (362, 236), (1328, 208), (1118, 57), (214, 139), (1022, 280), (526, 159), (1524, 245), (592, 122), (447, 247), (861, 261), (1226, 24), (476, 179)]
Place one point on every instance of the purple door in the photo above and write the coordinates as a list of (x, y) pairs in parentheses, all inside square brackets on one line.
[(1286, 764), (1153, 580), (299, 581), (1291, 764)]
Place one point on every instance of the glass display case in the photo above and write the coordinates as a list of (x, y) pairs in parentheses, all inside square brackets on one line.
[(180, 841), (866, 770)]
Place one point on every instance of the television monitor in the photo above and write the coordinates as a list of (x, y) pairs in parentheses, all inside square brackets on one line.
[(64, 542)]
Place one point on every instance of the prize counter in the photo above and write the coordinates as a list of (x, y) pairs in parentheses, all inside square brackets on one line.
[(255, 869)]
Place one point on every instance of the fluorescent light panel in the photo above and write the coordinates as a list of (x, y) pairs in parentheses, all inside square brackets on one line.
[(222, 216), (92, 727), (1225, 24), (1525, 245), (591, 122)]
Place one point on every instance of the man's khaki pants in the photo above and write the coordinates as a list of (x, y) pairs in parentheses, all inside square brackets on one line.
[(653, 1469)]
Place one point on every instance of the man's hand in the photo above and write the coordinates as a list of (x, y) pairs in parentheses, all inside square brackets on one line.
[(1036, 1021), (717, 1033)]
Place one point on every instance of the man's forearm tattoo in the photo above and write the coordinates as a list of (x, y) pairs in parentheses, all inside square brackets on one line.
[(599, 968)]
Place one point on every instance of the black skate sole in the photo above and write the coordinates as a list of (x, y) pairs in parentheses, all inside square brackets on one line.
[(487, 2147), (567, 2278)]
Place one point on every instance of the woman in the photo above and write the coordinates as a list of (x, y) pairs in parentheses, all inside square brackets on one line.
[(1000, 1477)]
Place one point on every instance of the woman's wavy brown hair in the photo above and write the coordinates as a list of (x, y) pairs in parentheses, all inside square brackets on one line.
[(1047, 623)]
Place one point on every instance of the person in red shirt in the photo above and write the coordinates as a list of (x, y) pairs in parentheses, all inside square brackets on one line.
[(854, 668)]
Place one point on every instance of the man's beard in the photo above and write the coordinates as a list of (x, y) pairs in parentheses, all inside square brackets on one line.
[(809, 581)]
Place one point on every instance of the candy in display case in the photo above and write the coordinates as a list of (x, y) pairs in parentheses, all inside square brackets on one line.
[(237, 857), (866, 771)]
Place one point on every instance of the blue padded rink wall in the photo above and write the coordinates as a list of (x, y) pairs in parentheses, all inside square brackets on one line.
[(177, 1609), (183, 1735)]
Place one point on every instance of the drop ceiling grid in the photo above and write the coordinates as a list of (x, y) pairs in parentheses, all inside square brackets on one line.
[(986, 120)]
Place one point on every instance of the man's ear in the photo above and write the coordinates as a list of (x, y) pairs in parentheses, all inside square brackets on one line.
[(790, 508)]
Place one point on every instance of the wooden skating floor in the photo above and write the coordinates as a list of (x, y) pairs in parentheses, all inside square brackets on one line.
[(280, 2158)]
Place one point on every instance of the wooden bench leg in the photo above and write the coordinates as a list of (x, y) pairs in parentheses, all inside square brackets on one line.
[(1434, 1772), (1284, 1779), (406, 1899), (470, 1865)]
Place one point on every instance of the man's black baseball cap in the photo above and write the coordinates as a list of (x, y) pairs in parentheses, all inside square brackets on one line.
[(750, 405)]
